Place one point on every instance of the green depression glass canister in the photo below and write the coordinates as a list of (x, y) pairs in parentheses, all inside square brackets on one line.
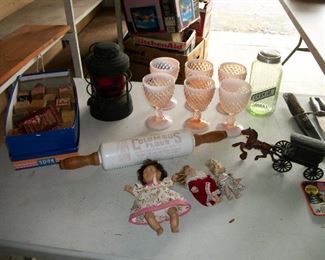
[(265, 79)]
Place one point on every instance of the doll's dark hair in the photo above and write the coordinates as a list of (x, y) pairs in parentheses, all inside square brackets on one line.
[(156, 164)]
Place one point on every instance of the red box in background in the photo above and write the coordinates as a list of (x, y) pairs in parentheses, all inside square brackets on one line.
[(202, 26)]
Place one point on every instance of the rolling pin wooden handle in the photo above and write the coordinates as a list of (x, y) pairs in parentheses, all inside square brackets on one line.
[(80, 161), (210, 137)]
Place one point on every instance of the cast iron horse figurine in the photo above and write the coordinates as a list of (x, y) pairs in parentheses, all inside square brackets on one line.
[(302, 149), (253, 143)]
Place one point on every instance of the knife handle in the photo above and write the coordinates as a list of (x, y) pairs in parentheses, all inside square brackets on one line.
[(293, 104), (321, 103), (301, 118)]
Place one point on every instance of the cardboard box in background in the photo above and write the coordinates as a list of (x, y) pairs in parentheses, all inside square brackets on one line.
[(147, 16), (182, 46), (203, 25), (206, 46), (138, 70), (140, 57)]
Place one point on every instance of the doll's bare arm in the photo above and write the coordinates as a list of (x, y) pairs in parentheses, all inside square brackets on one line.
[(181, 176), (129, 189), (175, 177)]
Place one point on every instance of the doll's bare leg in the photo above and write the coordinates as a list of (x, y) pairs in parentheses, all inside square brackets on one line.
[(216, 199), (228, 192), (153, 223), (174, 219)]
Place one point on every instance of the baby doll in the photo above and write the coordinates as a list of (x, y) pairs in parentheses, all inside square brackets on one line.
[(230, 186), (154, 201), (202, 186)]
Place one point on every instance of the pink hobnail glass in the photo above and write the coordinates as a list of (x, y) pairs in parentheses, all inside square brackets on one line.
[(158, 89), (234, 95), (166, 65), (230, 70), (198, 67), (199, 91)]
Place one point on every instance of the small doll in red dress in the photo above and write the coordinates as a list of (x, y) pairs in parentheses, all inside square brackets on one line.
[(154, 201), (203, 187)]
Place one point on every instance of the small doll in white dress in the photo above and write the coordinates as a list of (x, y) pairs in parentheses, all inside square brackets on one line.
[(154, 201), (230, 186)]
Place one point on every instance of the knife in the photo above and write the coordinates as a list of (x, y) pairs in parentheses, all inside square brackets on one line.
[(321, 103), (300, 116), (319, 113)]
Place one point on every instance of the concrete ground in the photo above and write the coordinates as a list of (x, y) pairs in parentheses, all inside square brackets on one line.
[(251, 16), (240, 28)]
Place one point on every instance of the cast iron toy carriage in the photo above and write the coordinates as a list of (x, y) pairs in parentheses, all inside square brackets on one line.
[(301, 149)]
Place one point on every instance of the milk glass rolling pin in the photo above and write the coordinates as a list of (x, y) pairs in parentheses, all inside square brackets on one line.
[(157, 146)]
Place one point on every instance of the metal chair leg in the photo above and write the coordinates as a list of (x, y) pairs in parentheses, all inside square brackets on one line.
[(297, 48)]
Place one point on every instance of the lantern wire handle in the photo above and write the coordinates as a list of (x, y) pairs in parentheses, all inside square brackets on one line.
[(93, 90)]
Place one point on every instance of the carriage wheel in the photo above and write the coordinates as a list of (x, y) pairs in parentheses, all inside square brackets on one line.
[(279, 146), (282, 165), (313, 174)]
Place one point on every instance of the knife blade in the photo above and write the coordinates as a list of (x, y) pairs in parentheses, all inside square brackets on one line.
[(321, 103), (300, 116), (318, 112)]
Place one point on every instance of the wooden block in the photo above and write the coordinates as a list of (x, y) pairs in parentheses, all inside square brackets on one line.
[(21, 107), (38, 91), (52, 90), (49, 99), (15, 131), (36, 104), (63, 104), (66, 91), (65, 125), (23, 95), (17, 118), (68, 116)]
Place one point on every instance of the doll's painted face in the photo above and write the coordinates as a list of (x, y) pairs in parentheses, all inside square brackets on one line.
[(216, 168), (150, 173)]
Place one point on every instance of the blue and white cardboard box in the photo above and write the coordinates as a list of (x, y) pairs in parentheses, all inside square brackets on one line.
[(46, 143)]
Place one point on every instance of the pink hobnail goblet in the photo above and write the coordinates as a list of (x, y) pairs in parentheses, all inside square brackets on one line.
[(234, 95), (230, 70), (166, 65), (158, 89), (199, 91), (198, 67)]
